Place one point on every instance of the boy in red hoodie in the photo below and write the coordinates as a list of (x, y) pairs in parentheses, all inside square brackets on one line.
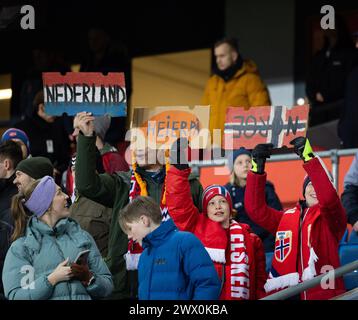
[(308, 235), (237, 253)]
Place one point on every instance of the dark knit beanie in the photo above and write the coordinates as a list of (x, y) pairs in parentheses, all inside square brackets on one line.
[(36, 167), (236, 153)]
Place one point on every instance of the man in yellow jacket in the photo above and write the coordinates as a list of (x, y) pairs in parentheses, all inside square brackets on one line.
[(235, 83)]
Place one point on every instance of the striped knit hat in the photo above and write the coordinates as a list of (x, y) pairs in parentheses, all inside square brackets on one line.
[(212, 191)]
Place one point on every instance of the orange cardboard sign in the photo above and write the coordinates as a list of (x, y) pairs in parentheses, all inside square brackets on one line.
[(163, 125)]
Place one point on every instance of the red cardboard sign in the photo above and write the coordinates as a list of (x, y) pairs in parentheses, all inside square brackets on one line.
[(272, 124)]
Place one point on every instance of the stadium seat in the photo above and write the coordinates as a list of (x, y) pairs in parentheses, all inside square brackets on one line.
[(345, 237), (269, 256), (353, 238), (348, 253)]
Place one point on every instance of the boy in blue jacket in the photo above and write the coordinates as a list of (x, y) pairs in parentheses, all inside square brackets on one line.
[(174, 265)]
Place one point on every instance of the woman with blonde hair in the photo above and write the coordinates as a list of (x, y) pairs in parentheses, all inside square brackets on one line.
[(40, 263)]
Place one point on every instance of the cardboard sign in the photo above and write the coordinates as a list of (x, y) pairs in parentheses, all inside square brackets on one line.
[(85, 91), (273, 124), (163, 125)]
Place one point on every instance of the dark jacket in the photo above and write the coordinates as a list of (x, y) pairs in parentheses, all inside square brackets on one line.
[(113, 191), (48, 140), (175, 266), (5, 234), (93, 218), (347, 126), (7, 190), (350, 194), (328, 74), (237, 194), (350, 203)]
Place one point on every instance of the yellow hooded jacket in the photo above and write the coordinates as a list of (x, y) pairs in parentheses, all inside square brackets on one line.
[(244, 89)]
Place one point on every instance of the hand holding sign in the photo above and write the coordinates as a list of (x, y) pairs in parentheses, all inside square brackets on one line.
[(302, 148), (259, 155), (84, 122), (271, 124), (179, 153)]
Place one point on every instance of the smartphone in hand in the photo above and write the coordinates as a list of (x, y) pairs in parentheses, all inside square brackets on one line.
[(82, 257)]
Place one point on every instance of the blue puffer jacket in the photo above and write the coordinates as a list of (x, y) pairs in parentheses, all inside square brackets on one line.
[(34, 256), (175, 266)]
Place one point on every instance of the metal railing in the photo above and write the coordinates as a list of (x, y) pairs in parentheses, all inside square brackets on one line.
[(303, 286), (350, 295), (334, 154)]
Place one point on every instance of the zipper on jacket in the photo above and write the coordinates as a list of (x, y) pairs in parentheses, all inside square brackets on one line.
[(151, 270), (63, 257)]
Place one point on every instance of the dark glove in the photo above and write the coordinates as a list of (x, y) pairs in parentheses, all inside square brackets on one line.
[(178, 154), (81, 273), (302, 148), (259, 155)]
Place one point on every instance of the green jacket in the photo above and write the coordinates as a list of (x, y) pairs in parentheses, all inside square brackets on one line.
[(113, 191), (95, 219)]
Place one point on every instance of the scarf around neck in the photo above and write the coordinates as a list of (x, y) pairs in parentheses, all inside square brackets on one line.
[(231, 250), (284, 271), (228, 73)]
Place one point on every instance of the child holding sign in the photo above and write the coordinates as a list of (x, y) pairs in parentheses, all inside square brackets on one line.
[(237, 253), (308, 235)]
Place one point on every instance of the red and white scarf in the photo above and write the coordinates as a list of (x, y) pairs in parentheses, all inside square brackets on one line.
[(234, 258), (284, 271), (134, 249)]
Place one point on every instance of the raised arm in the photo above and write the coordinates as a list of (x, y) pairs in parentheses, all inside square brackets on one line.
[(179, 200), (255, 199), (330, 205), (255, 203), (178, 193), (329, 202), (100, 188)]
